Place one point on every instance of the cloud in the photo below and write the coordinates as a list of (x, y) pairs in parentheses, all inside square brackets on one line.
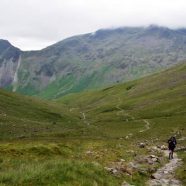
[(33, 24)]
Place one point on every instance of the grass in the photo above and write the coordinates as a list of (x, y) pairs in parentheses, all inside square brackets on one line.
[(160, 99), (180, 173), (58, 172), (121, 110), (70, 162), (51, 143), (23, 117)]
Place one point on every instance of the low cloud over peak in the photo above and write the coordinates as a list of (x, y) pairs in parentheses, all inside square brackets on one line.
[(34, 24)]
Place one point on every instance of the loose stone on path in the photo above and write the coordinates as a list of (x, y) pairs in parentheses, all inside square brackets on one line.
[(165, 175)]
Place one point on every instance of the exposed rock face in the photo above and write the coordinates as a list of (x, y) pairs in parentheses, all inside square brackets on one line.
[(91, 60), (9, 58)]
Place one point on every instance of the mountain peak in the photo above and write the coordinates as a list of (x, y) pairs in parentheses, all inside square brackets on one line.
[(8, 51), (4, 44)]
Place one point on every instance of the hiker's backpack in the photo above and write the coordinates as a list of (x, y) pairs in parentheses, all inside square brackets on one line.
[(172, 143)]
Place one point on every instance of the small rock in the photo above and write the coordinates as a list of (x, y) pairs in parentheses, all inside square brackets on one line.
[(174, 182), (163, 147), (89, 152), (142, 145), (142, 171), (108, 168), (154, 159), (126, 184), (150, 162), (152, 156), (165, 181), (114, 171), (156, 176), (111, 170), (130, 151), (128, 170), (134, 166), (151, 169), (165, 172)]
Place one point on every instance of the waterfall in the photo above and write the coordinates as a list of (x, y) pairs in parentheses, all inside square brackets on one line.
[(15, 79)]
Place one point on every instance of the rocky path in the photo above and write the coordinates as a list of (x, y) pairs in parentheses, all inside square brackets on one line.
[(147, 126), (122, 111), (165, 175), (84, 118), (82, 114)]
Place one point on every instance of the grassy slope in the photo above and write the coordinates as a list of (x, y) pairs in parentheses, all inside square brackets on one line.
[(160, 99), (119, 110), (34, 149), (65, 156), (22, 117)]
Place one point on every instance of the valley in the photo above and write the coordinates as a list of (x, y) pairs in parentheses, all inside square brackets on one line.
[(112, 136), (92, 93)]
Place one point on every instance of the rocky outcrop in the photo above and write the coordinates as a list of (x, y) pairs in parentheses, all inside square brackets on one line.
[(9, 61)]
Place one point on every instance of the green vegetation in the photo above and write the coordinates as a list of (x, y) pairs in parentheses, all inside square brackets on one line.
[(74, 140), (47, 164), (180, 174), (70, 162), (160, 99), (22, 117)]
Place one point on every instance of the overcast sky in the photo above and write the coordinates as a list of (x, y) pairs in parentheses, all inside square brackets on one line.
[(34, 24)]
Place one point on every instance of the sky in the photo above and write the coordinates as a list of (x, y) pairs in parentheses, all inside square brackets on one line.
[(35, 24)]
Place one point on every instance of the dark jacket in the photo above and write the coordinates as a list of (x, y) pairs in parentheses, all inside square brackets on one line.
[(172, 143)]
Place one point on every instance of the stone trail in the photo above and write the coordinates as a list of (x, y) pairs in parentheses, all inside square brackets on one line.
[(165, 175)]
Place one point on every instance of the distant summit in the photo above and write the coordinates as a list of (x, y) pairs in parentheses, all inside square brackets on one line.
[(7, 51)]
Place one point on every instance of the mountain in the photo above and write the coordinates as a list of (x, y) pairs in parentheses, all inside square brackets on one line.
[(9, 59), (91, 61)]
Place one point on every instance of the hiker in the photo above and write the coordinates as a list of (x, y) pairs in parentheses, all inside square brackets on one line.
[(171, 145)]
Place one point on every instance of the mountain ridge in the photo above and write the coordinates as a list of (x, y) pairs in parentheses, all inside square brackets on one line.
[(93, 60)]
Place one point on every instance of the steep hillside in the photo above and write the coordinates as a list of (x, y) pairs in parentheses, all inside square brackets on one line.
[(9, 63), (157, 101), (24, 117), (96, 60)]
